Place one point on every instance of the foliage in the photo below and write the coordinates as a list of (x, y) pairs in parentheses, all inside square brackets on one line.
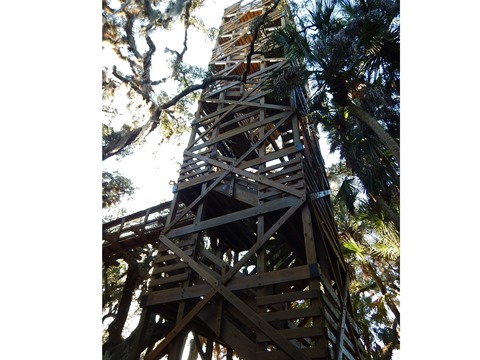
[(139, 98), (115, 186), (122, 287), (349, 53), (371, 246), (135, 92)]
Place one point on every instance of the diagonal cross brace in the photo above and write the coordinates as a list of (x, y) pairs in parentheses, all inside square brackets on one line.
[(222, 176), (262, 179), (218, 286)]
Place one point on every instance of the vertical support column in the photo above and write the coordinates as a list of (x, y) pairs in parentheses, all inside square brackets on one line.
[(311, 256), (261, 254), (175, 351)]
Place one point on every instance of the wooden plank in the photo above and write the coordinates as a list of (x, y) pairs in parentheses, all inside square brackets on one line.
[(231, 334), (252, 104), (239, 264), (218, 287), (152, 355), (240, 130), (168, 279), (136, 215), (167, 268), (291, 314), (286, 297), (181, 244), (228, 110), (348, 351), (176, 294), (262, 325), (265, 159), (261, 242), (236, 284), (236, 216), (194, 174), (319, 353), (164, 258), (331, 308), (240, 192), (168, 257), (186, 183), (263, 195), (199, 290), (270, 278), (286, 173), (189, 261), (257, 178), (295, 333), (281, 164), (295, 178)]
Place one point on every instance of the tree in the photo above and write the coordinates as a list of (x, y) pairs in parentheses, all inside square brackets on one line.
[(115, 186), (372, 249), (348, 54), (129, 30)]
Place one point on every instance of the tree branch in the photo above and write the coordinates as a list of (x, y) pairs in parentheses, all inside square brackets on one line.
[(128, 81), (206, 83), (132, 46), (117, 325), (254, 38), (140, 133), (147, 62)]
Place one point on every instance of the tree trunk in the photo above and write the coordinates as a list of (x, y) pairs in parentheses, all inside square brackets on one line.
[(386, 209), (116, 327), (371, 271), (121, 144), (373, 124), (125, 350)]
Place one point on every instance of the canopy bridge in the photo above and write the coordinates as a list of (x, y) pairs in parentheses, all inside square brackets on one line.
[(248, 250)]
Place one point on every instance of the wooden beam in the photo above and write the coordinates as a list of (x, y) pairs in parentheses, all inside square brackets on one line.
[(153, 355), (262, 179), (241, 130), (282, 276), (270, 206), (279, 340), (223, 175)]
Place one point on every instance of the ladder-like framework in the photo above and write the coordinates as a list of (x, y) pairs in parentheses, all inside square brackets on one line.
[(248, 252)]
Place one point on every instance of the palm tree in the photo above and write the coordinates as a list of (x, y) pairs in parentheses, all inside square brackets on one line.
[(372, 249), (349, 52)]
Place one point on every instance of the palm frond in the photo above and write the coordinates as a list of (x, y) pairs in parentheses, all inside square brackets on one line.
[(347, 194)]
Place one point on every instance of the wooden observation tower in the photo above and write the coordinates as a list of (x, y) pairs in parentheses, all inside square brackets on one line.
[(248, 250)]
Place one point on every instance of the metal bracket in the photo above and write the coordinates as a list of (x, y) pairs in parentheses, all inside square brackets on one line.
[(314, 270), (320, 194)]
